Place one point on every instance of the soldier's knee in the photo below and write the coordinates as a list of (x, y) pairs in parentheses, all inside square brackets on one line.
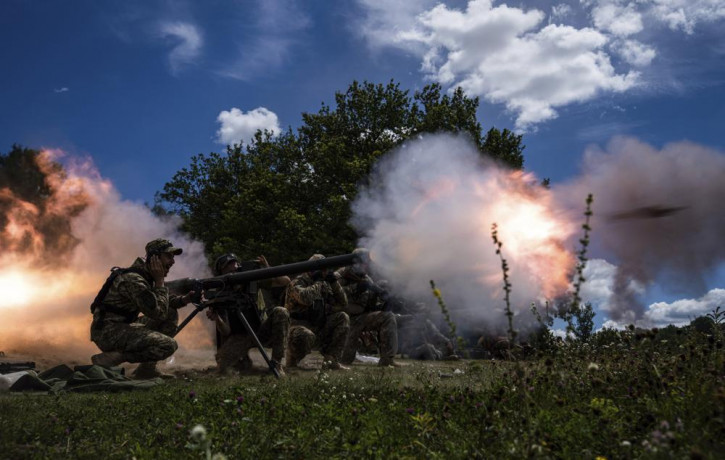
[(389, 319), (167, 347), (340, 319), (279, 314)]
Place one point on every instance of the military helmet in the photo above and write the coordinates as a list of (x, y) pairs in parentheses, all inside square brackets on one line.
[(222, 262)]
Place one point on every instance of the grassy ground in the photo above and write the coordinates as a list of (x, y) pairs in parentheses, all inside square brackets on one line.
[(626, 395)]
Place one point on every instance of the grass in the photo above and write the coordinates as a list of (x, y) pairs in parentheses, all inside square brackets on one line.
[(630, 394)]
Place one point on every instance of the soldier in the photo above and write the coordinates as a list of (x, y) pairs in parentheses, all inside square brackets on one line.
[(365, 302), (118, 330), (271, 328), (421, 339), (315, 301)]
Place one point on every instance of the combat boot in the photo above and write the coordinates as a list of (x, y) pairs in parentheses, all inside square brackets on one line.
[(389, 362), (108, 359), (280, 369), (291, 361), (148, 370)]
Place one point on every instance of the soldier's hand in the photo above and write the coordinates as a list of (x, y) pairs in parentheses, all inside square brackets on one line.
[(362, 286), (331, 277), (211, 314), (189, 297), (156, 269), (262, 261)]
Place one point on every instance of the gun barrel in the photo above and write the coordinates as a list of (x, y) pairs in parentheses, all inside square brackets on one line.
[(184, 285)]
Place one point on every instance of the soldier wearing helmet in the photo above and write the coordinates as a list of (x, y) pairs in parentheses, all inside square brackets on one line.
[(271, 325), (315, 301)]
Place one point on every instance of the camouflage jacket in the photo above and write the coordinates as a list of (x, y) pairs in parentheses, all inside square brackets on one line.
[(358, 290), (303, 292), (133, 292)]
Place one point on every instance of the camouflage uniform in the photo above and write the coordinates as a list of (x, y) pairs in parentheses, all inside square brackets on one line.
[(315, 308), (149, 338), (421, 339), (271, 329), (363, 301)]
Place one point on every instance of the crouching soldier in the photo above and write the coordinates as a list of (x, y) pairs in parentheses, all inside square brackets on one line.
[(271, 325), (118, 330), (365, 301), (315, 301)]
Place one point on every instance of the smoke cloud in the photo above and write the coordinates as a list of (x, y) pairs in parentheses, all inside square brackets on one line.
[(48, 288), (657, 216), (428, 216)]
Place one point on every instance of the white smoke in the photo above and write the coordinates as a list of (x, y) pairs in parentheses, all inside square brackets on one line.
[(54, 326), (428, 216)]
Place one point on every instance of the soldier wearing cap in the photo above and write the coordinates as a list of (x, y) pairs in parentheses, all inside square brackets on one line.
[(315, 301), (119, 331), (271, 325)]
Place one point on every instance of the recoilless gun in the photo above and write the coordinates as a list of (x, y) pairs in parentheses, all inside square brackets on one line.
[(220, 283)]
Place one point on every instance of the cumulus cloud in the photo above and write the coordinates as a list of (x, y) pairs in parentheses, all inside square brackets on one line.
[(678, 313), (237, 125), (61, 90), (622, 20), (512, 56), (505, 55), (635, 53), (188, 43)]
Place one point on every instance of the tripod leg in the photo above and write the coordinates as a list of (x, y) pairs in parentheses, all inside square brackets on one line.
[(187, 320), (270, 362)]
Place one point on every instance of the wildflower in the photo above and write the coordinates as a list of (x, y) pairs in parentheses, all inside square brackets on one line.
[(240, 399), (198, 434), (179, 425), (192, 394), (593, 367), (410, 410), (626, 443)]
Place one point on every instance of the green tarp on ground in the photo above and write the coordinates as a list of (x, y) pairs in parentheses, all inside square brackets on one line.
[(81, 379)]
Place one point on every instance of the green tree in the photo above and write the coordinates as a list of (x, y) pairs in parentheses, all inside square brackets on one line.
[(289, 196)]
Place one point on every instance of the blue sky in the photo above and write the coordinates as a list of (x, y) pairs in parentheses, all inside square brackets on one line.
[(141, 86)]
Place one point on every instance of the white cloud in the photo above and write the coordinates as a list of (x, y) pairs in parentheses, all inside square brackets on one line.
[(617, 19), (513, 55), (681, 312), (503, 54), (635, 53), (188, 48), (559, 12), (384, 21), (686, 14), (61, 90), (238, 126)]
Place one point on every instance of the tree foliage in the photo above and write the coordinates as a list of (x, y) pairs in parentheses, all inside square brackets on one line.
[(289, 196)]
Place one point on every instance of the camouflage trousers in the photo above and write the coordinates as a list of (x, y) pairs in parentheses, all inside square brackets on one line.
[(380, 323), (330, 338), (142, 341), (273, 333), (421, 339)]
